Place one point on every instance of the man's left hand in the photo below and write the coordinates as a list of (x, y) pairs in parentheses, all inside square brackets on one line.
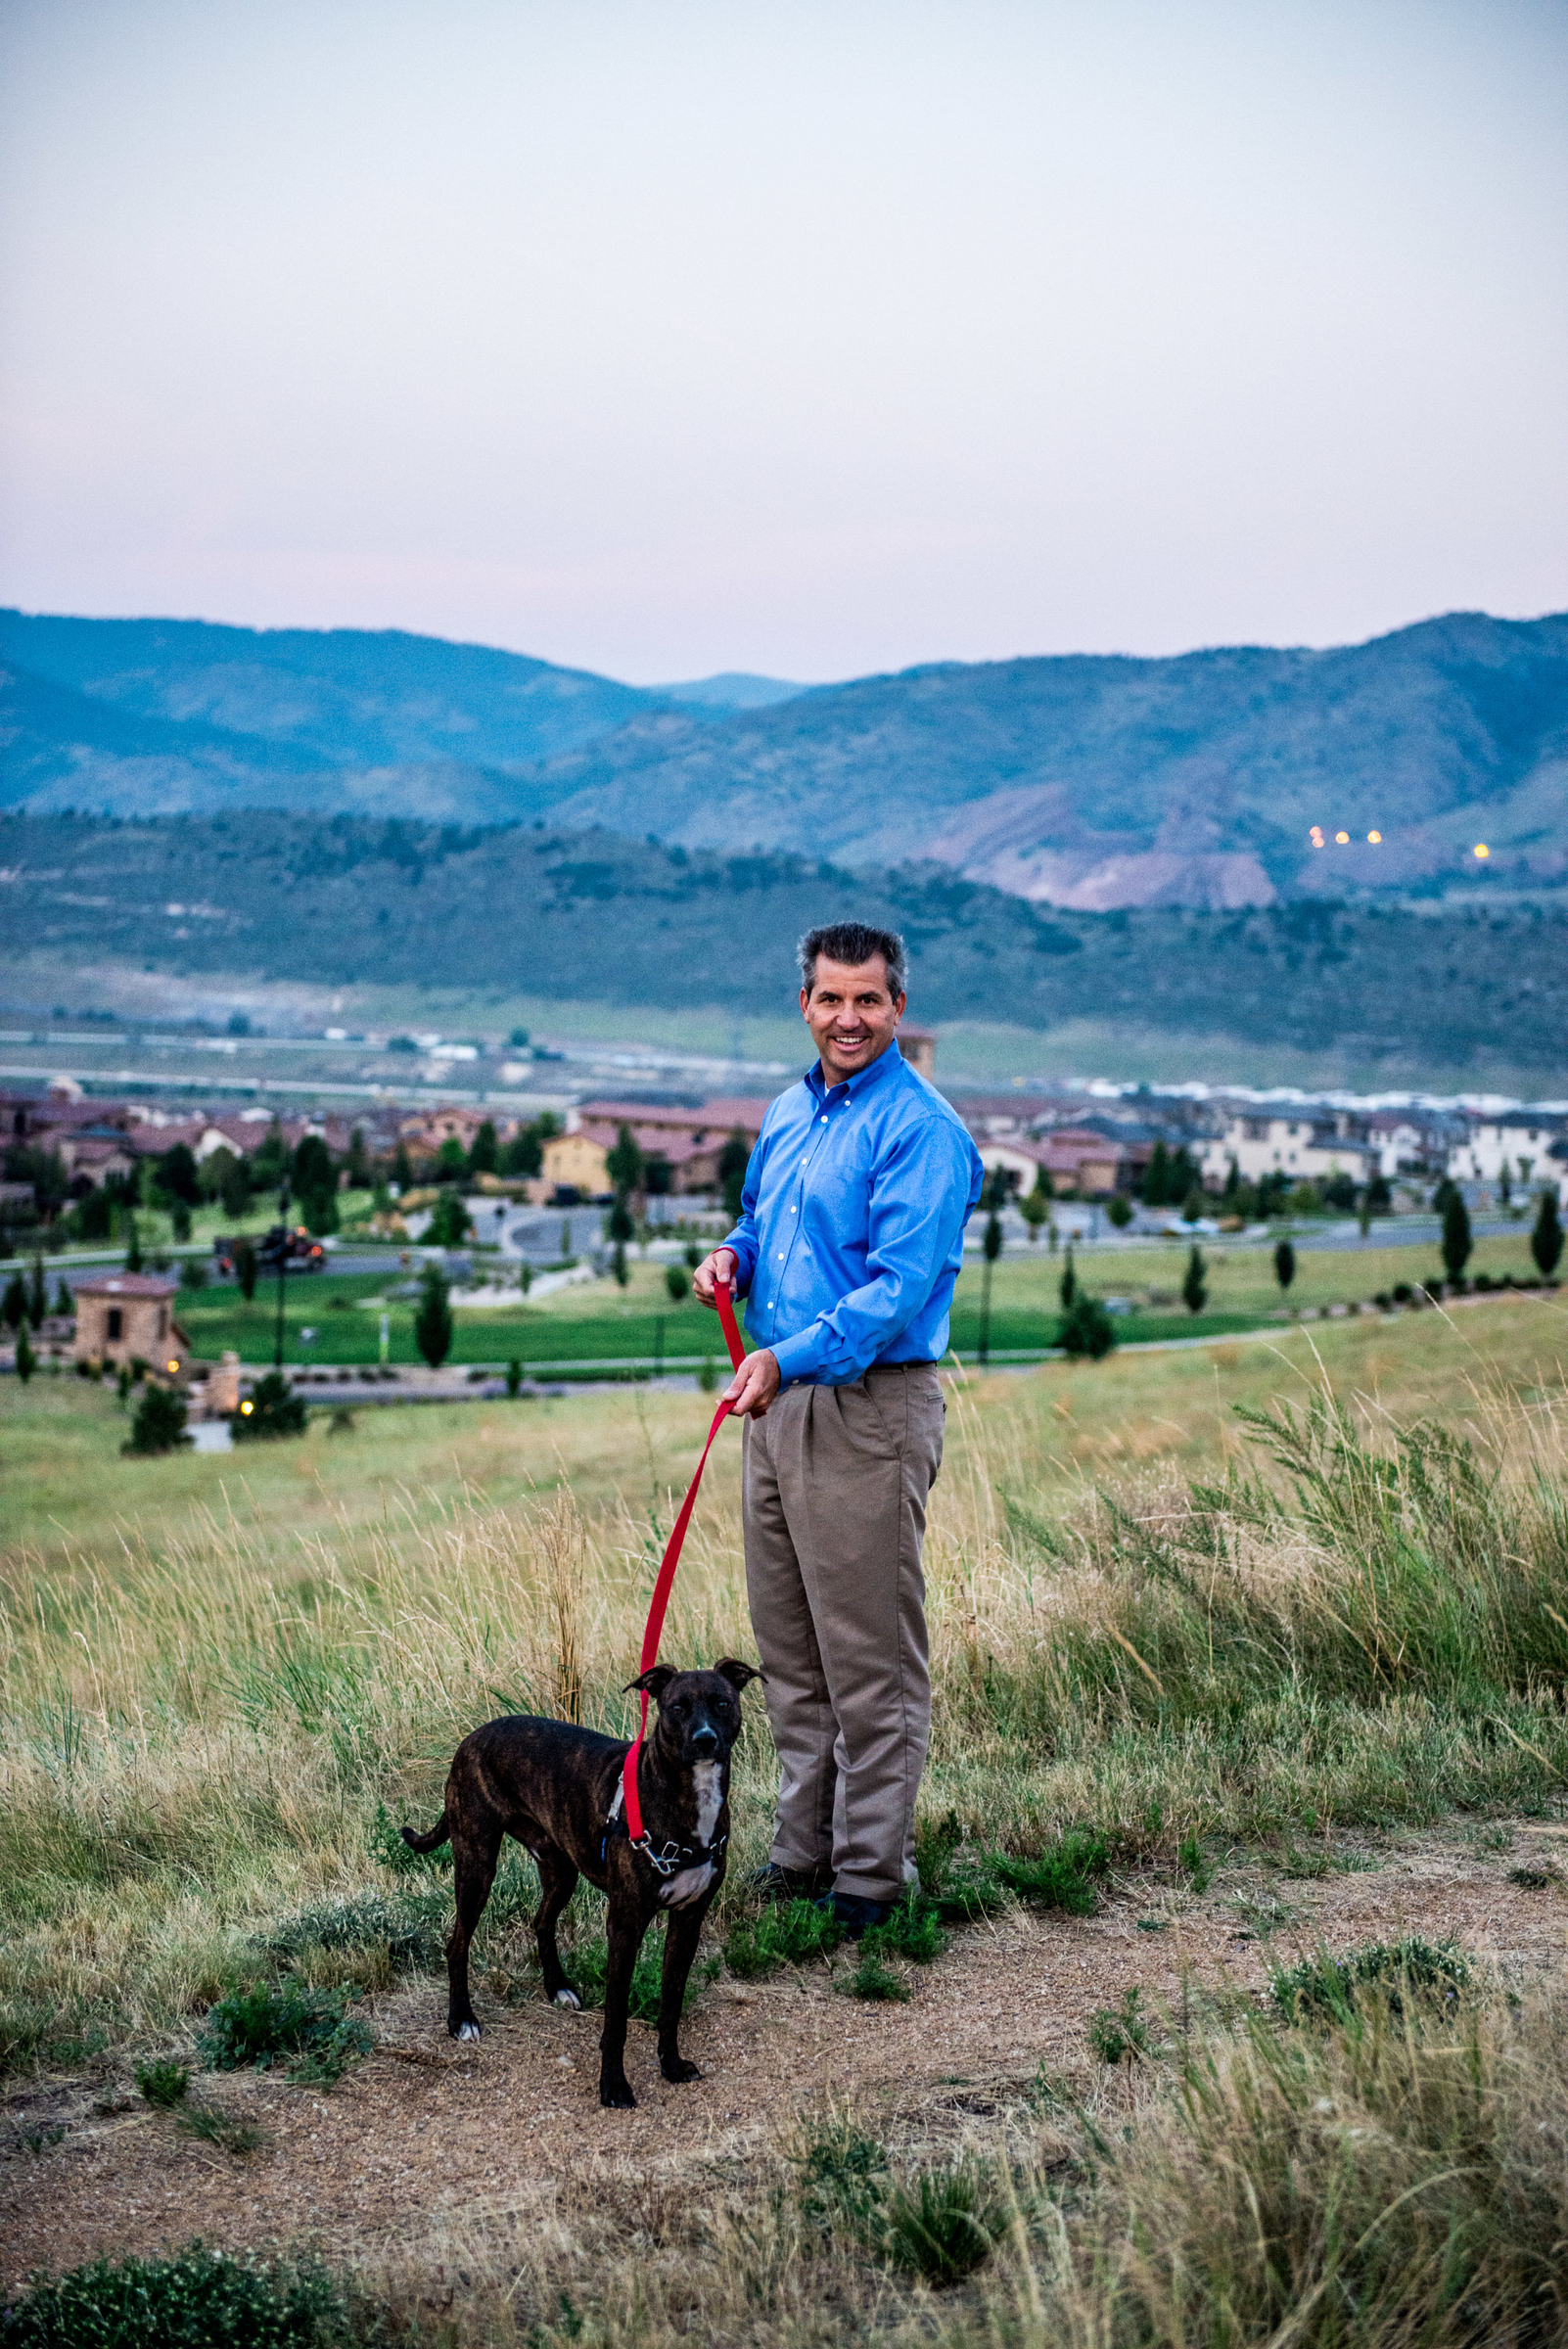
[(753, 1386)]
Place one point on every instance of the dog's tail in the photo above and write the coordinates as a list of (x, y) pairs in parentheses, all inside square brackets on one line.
[(439, 1833)]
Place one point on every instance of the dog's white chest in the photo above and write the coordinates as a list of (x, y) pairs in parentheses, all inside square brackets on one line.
[(708, 1783)]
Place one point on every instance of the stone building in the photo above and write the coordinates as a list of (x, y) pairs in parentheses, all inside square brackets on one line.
[(129, 1317)]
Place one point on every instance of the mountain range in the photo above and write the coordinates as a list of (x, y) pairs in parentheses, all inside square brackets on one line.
[(1087, 782)]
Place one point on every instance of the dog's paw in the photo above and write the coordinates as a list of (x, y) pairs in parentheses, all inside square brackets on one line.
[(567, 1997), (617, 2095), (466, 2031), (677, 2071)]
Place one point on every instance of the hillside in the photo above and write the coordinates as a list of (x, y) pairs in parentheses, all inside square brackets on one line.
[(1096, 782), (600, 918), (1087, 782)]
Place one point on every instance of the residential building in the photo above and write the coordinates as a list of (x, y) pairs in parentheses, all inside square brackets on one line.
[(690, 1142), (1519, 1140), (575, 1161), (1295, 1144), (1075, 1158)]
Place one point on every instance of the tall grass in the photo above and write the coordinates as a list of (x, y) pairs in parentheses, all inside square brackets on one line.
[(1368, 1624)]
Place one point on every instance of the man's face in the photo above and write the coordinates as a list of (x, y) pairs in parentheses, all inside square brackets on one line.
[(851, 1015)]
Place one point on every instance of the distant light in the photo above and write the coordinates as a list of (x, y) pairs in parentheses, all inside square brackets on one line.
[(1342, 839), (173, 1367), (245, 1409), (1376, 839), (1481, 850), (1316, 835)]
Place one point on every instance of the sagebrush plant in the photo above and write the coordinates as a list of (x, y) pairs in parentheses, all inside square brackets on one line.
[(199, 2299), (1367, 1626)]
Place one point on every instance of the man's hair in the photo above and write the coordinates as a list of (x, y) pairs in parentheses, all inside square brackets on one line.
[(851, 944)]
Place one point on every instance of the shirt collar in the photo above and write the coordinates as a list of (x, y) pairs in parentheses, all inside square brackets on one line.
[(853, 1085)]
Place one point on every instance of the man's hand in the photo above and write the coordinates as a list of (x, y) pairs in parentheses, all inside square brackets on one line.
[(753, 1386), (720, 1266)]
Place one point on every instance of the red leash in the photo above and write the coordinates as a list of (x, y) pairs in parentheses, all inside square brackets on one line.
[(667, 1570)]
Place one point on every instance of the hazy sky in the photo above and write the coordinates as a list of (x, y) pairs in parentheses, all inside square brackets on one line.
[(663, 337)]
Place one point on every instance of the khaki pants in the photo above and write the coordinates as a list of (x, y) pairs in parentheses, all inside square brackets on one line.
[(835, 1480)]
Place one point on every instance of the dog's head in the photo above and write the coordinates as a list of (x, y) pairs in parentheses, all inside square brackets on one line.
[(699, 1712)]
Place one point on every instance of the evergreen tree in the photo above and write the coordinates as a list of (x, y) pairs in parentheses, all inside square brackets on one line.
[(1088, 1328), (1284, 1263), (160, 1421), (1232, 1189), (245, 1268), (402, 1173), (13, 1309), (992, 1245), (733, 1161), (271, 1410), (27, 1360), (357, 1164), (433, 1323), (1456, 1241), (449, 1223), (624, 1165), (37, 1295), (180, 1219), (133, 1246), (267, 1164), (486, 1155), (1195, 1289), (315, 1185), (236, 1191), (451, 1161), (1069, 1286), (617, 1264), (64, 1302), (177, 1174), (1546, 1241), (1155, 1178), (618, 1226)]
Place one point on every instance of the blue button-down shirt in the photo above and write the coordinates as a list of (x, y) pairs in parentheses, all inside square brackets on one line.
[(852, 1226)]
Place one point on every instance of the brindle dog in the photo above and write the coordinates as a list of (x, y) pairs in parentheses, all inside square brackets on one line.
[(557, 1788)]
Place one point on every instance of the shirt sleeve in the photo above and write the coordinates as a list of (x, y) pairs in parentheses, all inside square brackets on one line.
[(743, 1239), (920, 1200)]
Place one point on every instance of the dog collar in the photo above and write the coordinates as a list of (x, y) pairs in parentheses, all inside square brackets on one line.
[(673, 1855)]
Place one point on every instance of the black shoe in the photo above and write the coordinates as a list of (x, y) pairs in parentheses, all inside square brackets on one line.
[(855, 1916), (776, 1883)]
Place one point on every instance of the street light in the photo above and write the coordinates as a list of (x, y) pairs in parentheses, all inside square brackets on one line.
[(283, 1266)]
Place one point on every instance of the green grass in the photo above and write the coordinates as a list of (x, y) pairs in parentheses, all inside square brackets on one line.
[(199, 2299), (601, 1322)]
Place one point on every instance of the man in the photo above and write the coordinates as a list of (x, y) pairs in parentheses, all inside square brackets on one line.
[(849, 1239)]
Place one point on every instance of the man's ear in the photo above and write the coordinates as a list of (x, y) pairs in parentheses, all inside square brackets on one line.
[(656, 1680), (739, 1676)]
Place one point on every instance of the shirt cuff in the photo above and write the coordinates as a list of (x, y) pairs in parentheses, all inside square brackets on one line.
[(800, 1357)]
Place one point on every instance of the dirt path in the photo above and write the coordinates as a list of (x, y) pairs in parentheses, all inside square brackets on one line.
[(412, 2142)]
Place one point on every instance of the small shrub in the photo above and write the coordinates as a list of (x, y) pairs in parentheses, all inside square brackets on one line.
[(941, 2225), (216, 2128), (790, 1933), (913, 1931), (200, 2299), (873, 1979), (262, 2024), (1087, 1328), (677, 1282), (386, 1846), (514, 1378), (1189, 1851), (1120, 2033), (844, 2176), (1065, 1877), (158, 1425), (1532, 1879), (162, 2083), (272, 1409), (1328, 1990), (407, 1929)]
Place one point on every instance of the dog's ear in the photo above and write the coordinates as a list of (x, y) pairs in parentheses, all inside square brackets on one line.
[(656, 1680), (739, 1675)]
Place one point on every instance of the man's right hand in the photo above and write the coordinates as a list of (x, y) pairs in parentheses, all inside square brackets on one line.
[(720, 1266)]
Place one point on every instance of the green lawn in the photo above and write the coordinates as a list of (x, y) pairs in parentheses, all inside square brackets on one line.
[(601, 1324)]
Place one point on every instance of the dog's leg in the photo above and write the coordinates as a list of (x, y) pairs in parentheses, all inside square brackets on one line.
[(681, 1936), (627, 1925), (474, 1852), (558, 1881)]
